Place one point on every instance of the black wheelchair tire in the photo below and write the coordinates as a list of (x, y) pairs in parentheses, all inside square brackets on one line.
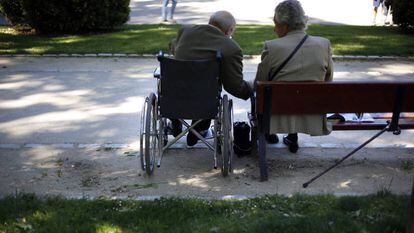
[(149, 142), (141, 135)]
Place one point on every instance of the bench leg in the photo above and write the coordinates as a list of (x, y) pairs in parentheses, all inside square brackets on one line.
[(262, 157)]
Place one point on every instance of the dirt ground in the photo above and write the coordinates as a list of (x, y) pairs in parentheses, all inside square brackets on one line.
[(93, 173)]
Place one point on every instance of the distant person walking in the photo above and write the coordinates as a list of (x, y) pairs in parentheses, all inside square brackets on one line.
[(376, 4), (167, 14), (386, 10)]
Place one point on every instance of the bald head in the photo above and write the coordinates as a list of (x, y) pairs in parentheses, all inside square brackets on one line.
[(224, 21)]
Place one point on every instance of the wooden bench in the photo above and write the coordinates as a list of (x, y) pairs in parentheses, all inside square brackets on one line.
[(273, 98)]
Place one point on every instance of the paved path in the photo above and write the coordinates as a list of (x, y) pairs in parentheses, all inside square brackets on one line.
[(351, 12), (56, 114), (70, 101)]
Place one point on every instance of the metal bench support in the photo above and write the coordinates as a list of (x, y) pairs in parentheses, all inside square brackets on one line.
[(264, 126)]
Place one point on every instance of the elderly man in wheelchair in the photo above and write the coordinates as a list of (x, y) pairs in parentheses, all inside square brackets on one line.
[(189, 88)]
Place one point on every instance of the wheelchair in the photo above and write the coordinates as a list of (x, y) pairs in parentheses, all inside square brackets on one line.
[(186, 90)]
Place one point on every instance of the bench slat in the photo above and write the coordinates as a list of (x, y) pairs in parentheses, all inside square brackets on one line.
[(377, 125), (340, 97)]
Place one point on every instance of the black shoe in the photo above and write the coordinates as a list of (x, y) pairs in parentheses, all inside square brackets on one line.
[(176, 128), (272, 138), (292, 145), (191, 139)]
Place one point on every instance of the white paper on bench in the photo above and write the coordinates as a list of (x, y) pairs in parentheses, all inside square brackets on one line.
[(352, 117)]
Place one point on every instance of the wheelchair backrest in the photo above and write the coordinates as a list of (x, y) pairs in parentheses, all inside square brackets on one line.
[(189, 89)]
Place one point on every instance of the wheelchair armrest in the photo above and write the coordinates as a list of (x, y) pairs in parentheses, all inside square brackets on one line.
[(157, 73), (252, 114), (252, 119)]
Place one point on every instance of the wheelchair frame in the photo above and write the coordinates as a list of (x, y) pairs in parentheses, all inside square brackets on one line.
[(154, 131)]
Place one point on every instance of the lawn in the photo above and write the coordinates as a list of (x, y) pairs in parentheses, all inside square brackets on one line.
[(382, 212), (149, 39)]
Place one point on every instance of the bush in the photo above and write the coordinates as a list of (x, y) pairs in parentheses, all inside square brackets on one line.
[(403, 13), (72, 16), (13, 11)]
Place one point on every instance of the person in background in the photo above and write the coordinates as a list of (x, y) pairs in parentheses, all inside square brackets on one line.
[(386, 10), (376, 4), (167, 14), (312, 62)]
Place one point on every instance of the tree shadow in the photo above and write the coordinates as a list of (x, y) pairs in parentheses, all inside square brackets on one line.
[(65, 106), (94, 101)]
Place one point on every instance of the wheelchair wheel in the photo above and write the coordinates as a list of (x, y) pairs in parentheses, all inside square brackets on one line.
[(149, 145), (227, 137), (142, 134)]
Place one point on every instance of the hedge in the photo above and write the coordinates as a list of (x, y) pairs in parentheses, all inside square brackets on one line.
[(68, 16), (403, 13), (13, 11)]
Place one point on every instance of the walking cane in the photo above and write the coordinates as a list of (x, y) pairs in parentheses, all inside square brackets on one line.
[(305, 185), (391, 126)]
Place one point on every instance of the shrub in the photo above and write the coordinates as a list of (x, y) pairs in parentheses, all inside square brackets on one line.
[(403, 13), (73, 16), (13, 11)]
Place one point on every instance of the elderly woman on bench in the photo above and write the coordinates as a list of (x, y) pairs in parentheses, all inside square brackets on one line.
[(295, 56)]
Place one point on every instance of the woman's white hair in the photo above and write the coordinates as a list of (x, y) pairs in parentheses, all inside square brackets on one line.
[(291, 14)]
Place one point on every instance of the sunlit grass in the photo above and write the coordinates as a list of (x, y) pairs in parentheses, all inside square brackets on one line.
[(67, 40), (107, 228), (149, 39), (382, 212)]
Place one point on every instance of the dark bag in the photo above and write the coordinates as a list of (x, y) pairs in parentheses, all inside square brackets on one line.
[(241, 133)]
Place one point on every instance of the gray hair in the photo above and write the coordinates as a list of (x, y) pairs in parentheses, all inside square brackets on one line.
[(291, 14), (222, 19)]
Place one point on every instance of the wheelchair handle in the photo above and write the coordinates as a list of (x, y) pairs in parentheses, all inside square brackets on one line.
[(160, 55), (218, 55)]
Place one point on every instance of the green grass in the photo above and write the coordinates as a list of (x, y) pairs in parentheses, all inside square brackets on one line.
[(142, 39), (131, 39), (383, 213)]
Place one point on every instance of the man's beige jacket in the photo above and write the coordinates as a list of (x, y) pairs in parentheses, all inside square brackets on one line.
[(202, 42)]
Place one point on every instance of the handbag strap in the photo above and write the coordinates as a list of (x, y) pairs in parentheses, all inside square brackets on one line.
[(288, 58)]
